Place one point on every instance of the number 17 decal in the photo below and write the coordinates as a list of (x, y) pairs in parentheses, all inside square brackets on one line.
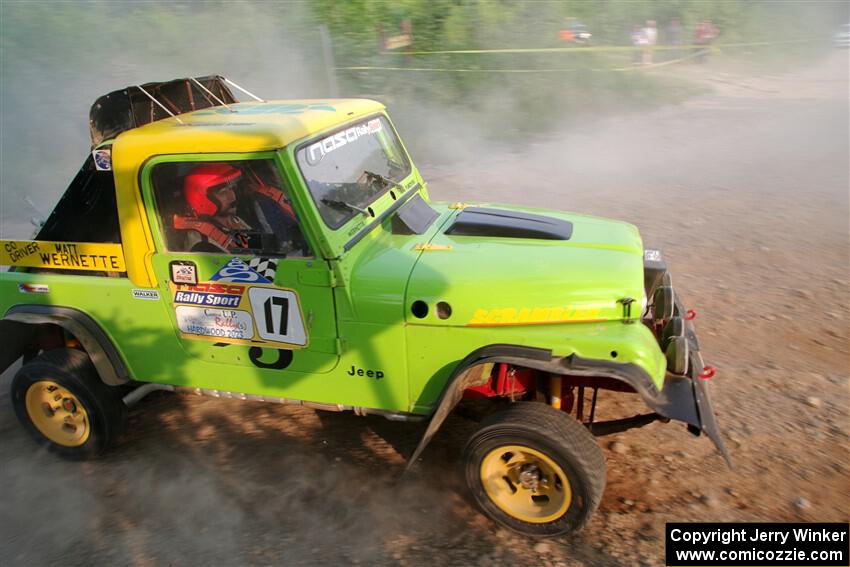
[(278, 315)]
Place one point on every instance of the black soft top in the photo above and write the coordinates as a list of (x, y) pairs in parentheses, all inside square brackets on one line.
[(130, 107)]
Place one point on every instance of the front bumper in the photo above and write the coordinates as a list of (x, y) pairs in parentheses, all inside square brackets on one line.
[(687, 399), (685, 394), (708, 423)]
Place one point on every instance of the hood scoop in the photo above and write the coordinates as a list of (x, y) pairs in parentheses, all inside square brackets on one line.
[(479, 221)]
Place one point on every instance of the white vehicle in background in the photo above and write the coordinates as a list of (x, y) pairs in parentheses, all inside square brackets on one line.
[(842, 36)]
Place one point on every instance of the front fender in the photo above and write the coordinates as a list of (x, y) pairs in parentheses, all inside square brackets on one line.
[(473, 370), (682, 398)]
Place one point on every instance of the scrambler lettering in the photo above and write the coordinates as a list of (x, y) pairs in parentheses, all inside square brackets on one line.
[(535, 315), (376, 374)]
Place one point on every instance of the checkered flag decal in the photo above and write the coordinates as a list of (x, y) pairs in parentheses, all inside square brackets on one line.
[(266, 267)]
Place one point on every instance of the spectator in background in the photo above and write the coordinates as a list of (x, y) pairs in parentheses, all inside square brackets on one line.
[(650, 33), (703, 35), (674, 37), (638, 42)]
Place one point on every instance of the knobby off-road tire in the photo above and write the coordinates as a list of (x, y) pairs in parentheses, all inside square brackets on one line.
[(548, 446), (61, 401)]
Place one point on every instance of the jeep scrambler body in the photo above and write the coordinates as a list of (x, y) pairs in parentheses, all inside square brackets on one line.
[(392, 304)]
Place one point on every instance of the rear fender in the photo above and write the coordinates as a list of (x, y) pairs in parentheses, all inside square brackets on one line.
[(17, 339), (20, 326)]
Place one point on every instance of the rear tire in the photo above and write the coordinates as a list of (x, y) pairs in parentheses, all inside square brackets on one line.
[(59, 398), (535, 470)]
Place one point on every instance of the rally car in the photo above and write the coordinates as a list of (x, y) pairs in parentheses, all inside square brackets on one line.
[(288, 252)]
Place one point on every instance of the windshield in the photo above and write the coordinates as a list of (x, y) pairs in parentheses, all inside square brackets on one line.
[(347, 170)]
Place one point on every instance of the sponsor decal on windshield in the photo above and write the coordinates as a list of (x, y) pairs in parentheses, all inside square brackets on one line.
[(320, 149)]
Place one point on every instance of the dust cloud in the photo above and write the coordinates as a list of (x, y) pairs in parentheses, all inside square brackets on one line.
[(742, 178), (57, 59)]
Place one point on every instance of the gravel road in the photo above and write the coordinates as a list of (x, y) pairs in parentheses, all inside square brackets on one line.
[(746, 191)]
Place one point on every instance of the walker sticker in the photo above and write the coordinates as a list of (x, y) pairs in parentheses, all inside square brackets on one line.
[(184, 272), (217, 323), (33, 288), (261, 315), (151, 294), (237, 270), (102, 160), (62, 255)]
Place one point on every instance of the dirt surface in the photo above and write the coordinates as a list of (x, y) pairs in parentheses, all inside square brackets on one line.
[(746, 191)]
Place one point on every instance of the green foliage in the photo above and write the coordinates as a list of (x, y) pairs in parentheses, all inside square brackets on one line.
[(566, 85), (97, 43)]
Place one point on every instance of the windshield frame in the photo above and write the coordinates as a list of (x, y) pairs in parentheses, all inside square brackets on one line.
[(408, 165)]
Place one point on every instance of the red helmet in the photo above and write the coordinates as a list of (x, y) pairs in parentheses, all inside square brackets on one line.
[(197, 184)]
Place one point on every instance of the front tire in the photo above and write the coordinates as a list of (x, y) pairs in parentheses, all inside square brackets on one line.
[(535, 470), (59, 398)]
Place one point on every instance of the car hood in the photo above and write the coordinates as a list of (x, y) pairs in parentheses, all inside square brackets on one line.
[(499, 266)]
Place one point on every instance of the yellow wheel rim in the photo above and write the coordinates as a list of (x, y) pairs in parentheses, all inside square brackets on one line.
[(57, 414), (526, 484)]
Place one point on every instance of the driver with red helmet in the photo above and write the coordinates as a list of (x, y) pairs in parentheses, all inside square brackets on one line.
[(212, 191)]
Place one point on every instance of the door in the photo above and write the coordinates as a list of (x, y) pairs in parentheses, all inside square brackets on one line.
[(248, 295)]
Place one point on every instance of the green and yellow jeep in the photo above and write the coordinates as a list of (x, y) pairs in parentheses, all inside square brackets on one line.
[(287, 251)]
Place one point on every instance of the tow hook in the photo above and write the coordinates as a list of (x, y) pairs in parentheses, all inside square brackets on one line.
[(708, 372)]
